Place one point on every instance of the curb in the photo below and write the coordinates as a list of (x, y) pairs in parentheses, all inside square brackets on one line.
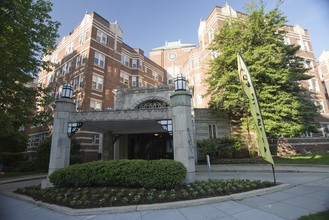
[(149, 207), (21, 179)]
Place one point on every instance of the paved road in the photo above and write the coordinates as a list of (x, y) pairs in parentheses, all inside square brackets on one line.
[(308, 192)]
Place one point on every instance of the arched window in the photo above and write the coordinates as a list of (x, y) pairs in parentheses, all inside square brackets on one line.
[(152, 104)]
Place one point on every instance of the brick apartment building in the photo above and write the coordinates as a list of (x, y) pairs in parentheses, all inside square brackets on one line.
[(192, 62), (96, 61)]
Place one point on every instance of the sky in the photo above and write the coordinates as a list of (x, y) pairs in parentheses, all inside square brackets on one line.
[(147, 24)]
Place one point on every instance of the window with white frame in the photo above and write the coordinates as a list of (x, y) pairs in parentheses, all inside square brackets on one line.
[(69, 49), (95, 104), (78, 104), (77, 61), (320, 105), (99, 59), (126, 80), (212, 131), (155, 76), (125, 60), (101, 37), (86, 35), (80, 60), (310, 85), (97, 82), (306, 48), (211, 34), (286, 40), (316, 86), (76, 82), (80, 39), (134, 63), (51, 77), (140, 82), (122, 76), (214, 54), (140, 64), (134, 81)]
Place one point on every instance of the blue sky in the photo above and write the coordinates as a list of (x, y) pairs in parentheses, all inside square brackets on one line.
[(147, 24)]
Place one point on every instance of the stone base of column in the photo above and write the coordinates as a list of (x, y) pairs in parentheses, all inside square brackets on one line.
[(45, 183), (190, 177)]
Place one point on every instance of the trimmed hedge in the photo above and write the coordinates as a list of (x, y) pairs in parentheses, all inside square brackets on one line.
[(158, 174)]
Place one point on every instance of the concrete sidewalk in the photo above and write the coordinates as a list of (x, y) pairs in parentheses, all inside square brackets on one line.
[(305, 190)]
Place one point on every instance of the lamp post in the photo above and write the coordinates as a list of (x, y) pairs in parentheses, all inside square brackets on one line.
[(67, 91), (180, 83)]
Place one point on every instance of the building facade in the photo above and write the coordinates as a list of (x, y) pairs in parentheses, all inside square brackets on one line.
[(194, 62), (95, 60), (100, 66)]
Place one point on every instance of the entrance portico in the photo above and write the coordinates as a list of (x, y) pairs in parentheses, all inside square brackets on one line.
[(165, 120)]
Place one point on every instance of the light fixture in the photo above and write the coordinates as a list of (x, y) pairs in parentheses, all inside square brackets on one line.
[(67, 91), (73, 128), (180, 83)]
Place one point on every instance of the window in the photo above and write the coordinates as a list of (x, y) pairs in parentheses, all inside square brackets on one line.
[(125, 60), (97, 83), (310, 85), (80, 60), (78, 82), (95, 104), (211, 34), (51, 77), (303, 45), (134, 63), (69, 49), (316, 86), (214, 54), (212, 131), (126, 79), (155, 76), (78, 104), (80, 39), (140, 64), (122, 76), (140, 82), (86, 35), (101, 37), (99, 59), (286, 40), (77, 61), (134, 81)]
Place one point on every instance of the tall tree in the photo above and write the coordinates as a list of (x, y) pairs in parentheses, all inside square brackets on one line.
[(27, 32), (276, 70)]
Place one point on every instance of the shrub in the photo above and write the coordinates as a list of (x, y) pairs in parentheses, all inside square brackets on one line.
[(159, 174), (10, 160), (218, 147)]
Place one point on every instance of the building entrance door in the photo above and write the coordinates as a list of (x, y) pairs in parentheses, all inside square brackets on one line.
[(153, 146)]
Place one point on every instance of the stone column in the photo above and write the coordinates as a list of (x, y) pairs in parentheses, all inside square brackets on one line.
[(182, 131), (107, 150), (60, 142)]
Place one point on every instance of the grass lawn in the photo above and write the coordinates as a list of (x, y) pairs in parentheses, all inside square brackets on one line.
[(317, 216), (8, 175), (315, 159)]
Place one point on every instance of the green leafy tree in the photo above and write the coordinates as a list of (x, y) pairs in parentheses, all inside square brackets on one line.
[(26, 33), (276, 70)]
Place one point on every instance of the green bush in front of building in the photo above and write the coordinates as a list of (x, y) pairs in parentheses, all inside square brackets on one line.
[(218, 147), (158, 174)]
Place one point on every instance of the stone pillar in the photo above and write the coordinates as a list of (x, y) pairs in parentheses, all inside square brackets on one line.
[(107, 150), (182, 131), (60, 142)]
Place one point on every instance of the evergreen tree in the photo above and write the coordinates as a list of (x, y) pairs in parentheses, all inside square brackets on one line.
[(275, 68)]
